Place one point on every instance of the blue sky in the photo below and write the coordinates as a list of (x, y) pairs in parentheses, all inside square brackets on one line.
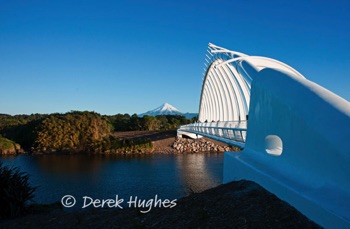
[(132, 56)]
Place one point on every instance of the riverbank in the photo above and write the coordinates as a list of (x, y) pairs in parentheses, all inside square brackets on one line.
[(147, 142), (161, 140), (241, 204), (168, 142)]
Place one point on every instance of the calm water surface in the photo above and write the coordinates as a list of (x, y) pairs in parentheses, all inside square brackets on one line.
[(103, 177)]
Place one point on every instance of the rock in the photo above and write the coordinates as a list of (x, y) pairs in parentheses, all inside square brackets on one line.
[(182, 145)]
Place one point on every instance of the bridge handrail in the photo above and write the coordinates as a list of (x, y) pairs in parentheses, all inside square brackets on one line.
[(220, 123), (232, 130), (214, 127)]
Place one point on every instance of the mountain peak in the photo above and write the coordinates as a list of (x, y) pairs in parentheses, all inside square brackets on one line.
[(165, 109)]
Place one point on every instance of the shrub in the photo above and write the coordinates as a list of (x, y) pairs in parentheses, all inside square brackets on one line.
[(15, 191)]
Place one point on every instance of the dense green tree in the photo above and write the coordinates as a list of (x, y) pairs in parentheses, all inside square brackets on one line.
[(120, 122), (135, 123), (150, 123), (163, 122), (74, 131), (125, 122)]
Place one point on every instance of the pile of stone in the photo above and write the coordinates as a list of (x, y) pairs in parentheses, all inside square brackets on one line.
[(182, 145)]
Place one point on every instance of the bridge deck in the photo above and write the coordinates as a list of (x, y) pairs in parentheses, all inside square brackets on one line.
[(233, 133)]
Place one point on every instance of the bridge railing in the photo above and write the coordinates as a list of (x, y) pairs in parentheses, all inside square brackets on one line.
[(235, 131)]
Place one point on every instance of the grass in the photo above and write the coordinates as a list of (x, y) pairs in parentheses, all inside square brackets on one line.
[(7, 144)]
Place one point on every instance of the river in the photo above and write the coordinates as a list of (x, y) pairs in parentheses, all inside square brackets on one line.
[(105, 176)]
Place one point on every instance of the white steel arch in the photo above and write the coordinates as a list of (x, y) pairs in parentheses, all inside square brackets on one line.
[(226, 86)]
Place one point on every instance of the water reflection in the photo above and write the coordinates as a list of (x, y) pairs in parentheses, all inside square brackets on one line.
[(104, 176), (196, 174)]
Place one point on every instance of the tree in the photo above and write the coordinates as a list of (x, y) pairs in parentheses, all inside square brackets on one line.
[(163, 122), (135, 123), (71, 132), (150, 123)]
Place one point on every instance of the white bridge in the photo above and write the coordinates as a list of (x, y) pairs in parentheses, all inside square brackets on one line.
[(294, 133)]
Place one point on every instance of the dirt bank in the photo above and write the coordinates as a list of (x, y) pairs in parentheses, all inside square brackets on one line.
[(241, 204)]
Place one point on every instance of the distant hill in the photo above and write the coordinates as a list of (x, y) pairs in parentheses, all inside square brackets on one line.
[(167, 109)]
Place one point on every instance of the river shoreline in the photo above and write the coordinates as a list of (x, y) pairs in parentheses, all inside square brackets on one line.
[(163, 142), (167, 142)]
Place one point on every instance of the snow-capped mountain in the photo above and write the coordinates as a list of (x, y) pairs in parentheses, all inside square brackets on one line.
[(167, 109)]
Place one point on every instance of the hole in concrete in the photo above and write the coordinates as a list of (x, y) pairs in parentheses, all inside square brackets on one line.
[(273, 145)]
